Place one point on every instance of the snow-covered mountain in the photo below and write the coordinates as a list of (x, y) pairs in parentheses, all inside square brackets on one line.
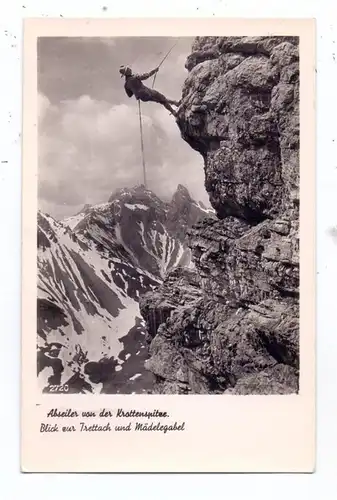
[(92, 269)]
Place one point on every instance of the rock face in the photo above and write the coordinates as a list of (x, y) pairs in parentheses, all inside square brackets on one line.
[(92, 269), (231, 325)]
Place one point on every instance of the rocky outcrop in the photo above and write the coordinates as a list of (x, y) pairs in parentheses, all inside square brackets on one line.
[(231, 326)]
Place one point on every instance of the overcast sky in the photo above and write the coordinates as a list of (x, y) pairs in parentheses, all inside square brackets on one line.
[(89, 138)]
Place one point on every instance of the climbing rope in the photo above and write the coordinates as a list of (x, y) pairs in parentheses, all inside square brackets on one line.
[(140, 117), (142, 142), (169, 52)]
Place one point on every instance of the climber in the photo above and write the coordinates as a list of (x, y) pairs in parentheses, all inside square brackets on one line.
[(134, 86)]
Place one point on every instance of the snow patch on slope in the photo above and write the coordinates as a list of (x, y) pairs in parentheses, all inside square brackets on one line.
[(136, 206), (56, 265)]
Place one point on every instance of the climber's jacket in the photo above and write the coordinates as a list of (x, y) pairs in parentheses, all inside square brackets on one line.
[(134, 82), (134, 86)]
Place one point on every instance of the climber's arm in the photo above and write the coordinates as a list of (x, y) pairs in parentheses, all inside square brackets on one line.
[(145, 76)]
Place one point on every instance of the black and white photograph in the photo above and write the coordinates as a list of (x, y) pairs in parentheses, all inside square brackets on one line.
[(168, 215)]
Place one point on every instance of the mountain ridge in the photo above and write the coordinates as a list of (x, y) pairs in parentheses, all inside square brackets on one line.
[(92, 269)]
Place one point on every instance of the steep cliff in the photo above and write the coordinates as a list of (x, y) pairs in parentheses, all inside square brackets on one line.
[(231, 325)]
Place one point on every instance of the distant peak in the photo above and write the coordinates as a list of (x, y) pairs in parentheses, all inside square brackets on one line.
[(181, 193), (136, 191), (182, 188)]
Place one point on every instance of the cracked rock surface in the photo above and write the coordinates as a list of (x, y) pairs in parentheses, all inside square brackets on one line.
[(231, 325)]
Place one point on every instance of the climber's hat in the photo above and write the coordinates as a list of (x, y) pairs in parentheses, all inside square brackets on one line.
[(125, 71)]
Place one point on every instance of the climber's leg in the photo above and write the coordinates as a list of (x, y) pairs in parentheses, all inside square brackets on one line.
[(169, 108), (158, 97), (175, 103), (161, 99), (155, 96)]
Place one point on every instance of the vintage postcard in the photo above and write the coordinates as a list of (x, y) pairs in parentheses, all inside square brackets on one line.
[(168, 301)]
